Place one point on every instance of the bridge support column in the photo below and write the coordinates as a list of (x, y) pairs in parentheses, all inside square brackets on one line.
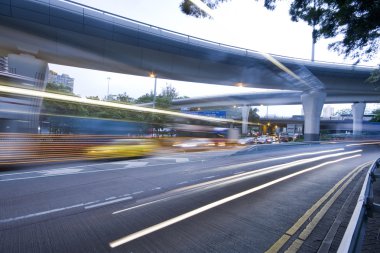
[(244, 124), (36, 73), (357, 116), (312, 103)]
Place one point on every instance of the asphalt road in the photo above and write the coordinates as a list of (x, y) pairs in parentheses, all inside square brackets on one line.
[(251, 200)]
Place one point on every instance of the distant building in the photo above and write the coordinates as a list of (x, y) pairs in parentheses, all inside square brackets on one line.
[(3, 64), (64, 80)]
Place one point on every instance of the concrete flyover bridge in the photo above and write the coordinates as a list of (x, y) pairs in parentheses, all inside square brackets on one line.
[(64, 32)]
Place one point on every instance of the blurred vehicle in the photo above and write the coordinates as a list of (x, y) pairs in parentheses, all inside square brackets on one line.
[(123, 148), (274, 138), (285, 138), (246, 141), (262, 139), (195, 144)]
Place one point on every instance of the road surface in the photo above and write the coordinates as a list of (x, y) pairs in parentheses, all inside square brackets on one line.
[(249, 200)]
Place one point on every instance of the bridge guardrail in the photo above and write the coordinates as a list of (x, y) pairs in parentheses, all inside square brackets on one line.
[(105, 15), (354, 236)]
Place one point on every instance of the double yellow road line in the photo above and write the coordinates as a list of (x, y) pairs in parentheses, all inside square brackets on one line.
[(324, 204)]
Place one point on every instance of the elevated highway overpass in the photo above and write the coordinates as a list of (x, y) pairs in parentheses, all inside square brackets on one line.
[(63, 32)]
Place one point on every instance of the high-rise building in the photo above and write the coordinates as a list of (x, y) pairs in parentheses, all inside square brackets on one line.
[(3, 63), (64, 80)]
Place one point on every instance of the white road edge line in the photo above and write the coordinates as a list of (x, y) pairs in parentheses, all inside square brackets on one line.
[(202, 209), (107, 202)]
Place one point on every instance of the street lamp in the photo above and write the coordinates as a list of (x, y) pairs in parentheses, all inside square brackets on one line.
[(152, 74), (108, 88)]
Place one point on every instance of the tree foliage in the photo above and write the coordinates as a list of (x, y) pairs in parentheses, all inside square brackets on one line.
[(376, 117), (253, 115), (163, 101), (189, 8), (345, 111), (358, 21)]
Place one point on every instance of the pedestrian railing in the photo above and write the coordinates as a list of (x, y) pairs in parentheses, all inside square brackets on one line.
[(354, 236)]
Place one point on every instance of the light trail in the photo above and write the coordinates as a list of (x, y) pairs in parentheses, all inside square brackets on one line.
[(245, 175), (207, 207), (362, 144), (80, 100)]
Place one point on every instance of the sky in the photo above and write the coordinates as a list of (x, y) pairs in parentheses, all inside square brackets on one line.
[(242, 23)]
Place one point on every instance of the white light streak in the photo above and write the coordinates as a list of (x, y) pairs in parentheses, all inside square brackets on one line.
[(202, 209), (60, 97)]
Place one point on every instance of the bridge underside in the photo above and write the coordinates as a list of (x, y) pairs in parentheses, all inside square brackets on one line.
[(62, 33)]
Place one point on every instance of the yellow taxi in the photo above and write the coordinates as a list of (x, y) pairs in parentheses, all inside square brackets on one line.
[(123, 148)]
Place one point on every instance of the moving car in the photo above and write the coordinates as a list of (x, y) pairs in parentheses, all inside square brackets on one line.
[(123, 148), (195, 144), (246, 141)]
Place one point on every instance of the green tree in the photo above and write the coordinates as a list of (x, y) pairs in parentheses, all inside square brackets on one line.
[(124, 98), (163, 101), (346, 111), (58, 88), (93, 97), (356, 20), (253, 115), (376, 118)]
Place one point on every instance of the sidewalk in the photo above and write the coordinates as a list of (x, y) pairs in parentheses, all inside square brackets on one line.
[(372, 234)]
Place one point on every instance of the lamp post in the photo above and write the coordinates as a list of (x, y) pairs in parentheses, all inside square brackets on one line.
[(108, 88), (155, 88)]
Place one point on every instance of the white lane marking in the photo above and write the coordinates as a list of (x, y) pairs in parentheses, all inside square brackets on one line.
[(135, 164), (145, 204), (135, 193), (177, 159), (111, 198), (126, 162), (57, 172), (183, 182), (91, 202), (41, 213), (155, 189), (202, 209), (80, 172), (107, 202), (239, 172), (209, 177), (41, 171)]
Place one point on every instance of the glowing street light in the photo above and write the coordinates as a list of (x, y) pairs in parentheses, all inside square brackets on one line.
[(153, 75)]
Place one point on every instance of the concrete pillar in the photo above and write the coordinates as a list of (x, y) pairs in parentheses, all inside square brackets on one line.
[(357, 116), (312, 103), (35, 74), (245, 114)]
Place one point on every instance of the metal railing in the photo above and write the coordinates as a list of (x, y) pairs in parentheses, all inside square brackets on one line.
[(118, 20), (354, 236)]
